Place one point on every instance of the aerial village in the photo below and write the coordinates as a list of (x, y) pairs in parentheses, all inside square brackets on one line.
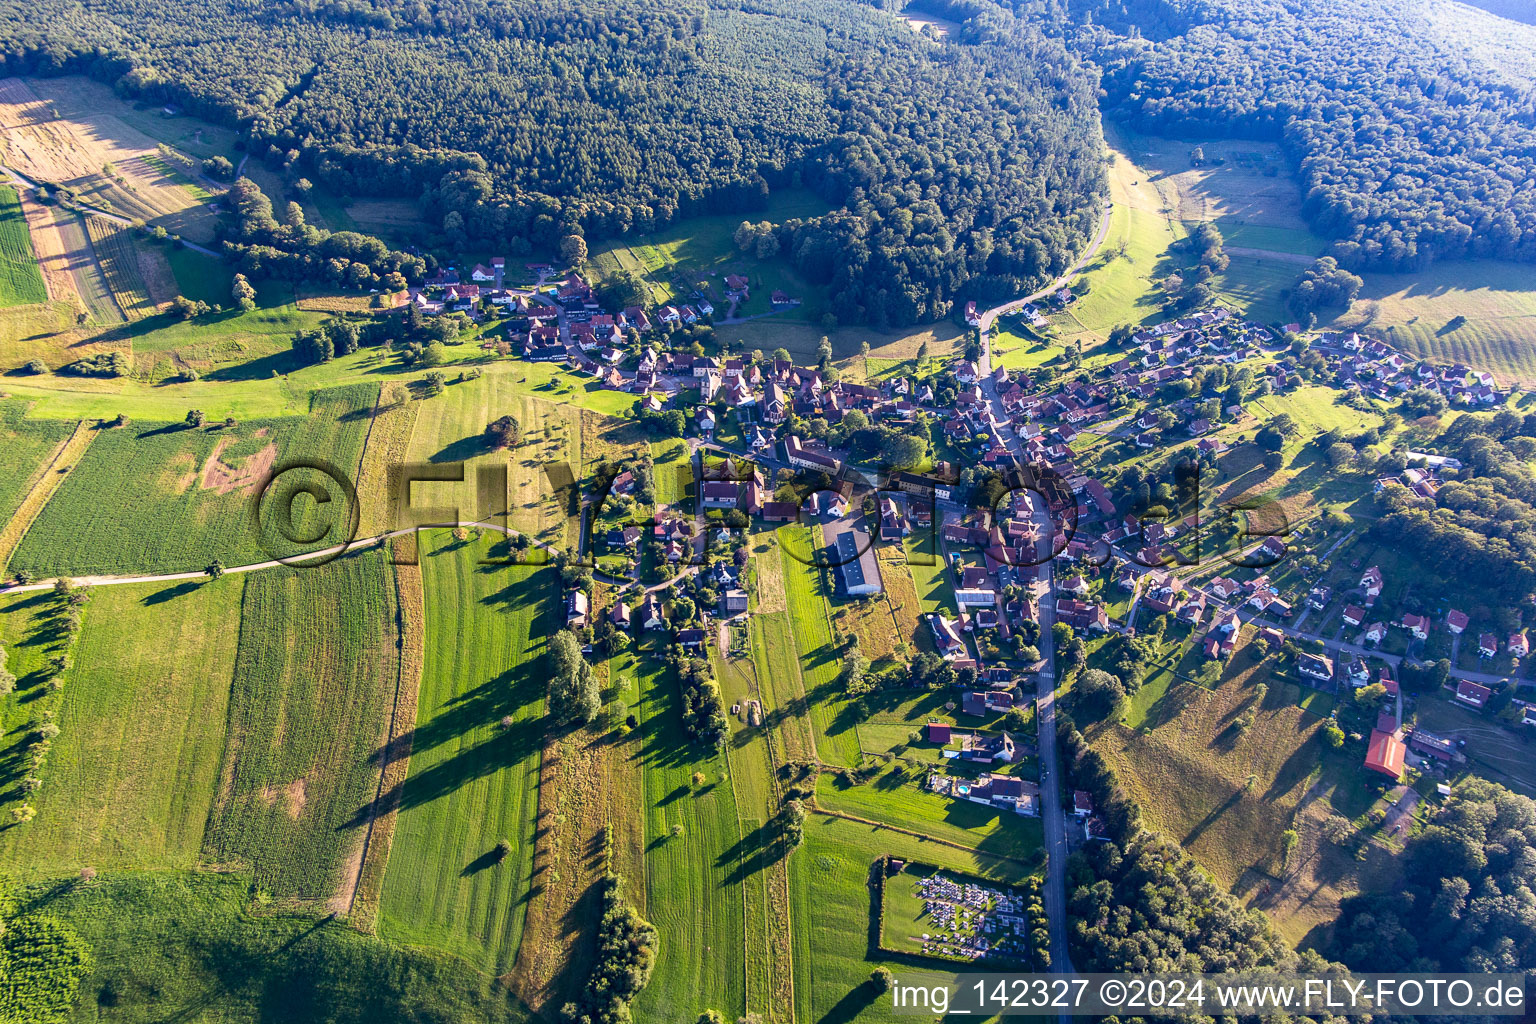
[(1114, 570)]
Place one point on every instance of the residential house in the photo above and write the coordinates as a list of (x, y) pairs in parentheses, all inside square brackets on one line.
[(1315, 665), (1473, 695), (576, 609)]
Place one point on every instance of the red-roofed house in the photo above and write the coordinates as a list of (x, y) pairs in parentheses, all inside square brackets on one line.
[(1487, 645), (1519, 646), (1473, 695), (938, 732), (1353, 614), (1385, 754), (1456, 621)]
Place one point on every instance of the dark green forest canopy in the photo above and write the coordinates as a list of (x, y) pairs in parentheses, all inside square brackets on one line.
[(1410, 146), (954, 171)]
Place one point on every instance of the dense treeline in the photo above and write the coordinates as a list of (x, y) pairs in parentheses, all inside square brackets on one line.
[(1479, 531), (626, 953), (703, 711), (1410, 147), (295, 251), (1465, 900), (953, 171)]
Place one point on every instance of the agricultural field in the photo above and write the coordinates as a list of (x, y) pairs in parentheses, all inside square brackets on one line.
[(698, 859), (21, 282), (140, 278), (110, 164), (1228, 793), (163, 497), (474, 757), (134, 771), (314, 678), (30, 445)]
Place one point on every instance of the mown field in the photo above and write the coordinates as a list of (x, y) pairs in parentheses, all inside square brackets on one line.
[(819, 654), (314, 678), (119, 259), (159, 497), (21, 282), (694, 877), (90, 282), (451, 428), (1482, 313), (133, 773), (474, 766)]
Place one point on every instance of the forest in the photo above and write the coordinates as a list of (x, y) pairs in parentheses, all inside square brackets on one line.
[(1479, 531), (953, 172), (1466, 902), (1410, 146)]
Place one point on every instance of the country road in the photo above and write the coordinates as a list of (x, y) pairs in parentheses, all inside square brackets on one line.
[(1067, 277)]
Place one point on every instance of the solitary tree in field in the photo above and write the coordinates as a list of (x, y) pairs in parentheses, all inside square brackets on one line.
[(214, 570), (243, 293), (195, 417), (505, 432)]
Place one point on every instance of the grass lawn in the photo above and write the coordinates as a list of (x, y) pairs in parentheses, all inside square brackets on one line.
[(930, 575), (896, 797), (694, 876), (133, 773), (156, 497), (473, 781), (21, 282), (314, 679), (820, 654)]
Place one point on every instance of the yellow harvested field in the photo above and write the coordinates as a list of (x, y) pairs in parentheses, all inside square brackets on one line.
[(109, 163), (53, 256)]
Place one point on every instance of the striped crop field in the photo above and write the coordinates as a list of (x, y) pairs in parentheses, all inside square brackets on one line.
[(119, 259), (21, 282), (474, 769), (314, 678)]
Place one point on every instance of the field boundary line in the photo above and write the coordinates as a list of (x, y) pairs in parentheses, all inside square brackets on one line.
[(410, 601), (818, 809), (43, 487)]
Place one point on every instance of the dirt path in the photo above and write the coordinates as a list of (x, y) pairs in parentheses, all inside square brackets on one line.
[(359, 896), (44, 486)]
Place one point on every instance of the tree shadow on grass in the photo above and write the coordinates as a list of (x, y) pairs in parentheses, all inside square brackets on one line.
[(172, 592)]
